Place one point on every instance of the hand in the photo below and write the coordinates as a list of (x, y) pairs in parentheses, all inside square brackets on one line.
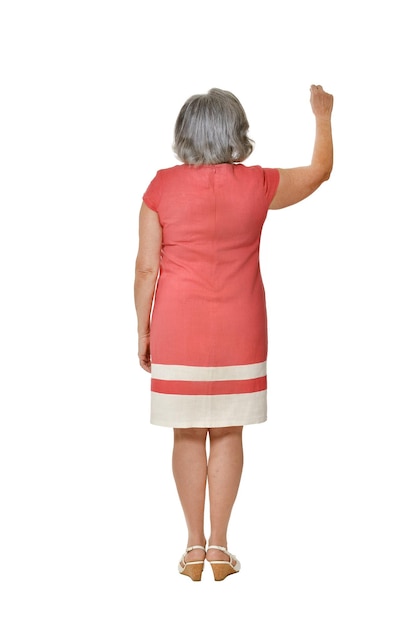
[(321, 102), (144, 353)]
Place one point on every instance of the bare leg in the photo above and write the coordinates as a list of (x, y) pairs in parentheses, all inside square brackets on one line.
[(224, 473), (189, 465)]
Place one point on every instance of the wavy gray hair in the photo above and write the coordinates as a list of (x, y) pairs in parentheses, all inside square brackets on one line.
[(212, 128)]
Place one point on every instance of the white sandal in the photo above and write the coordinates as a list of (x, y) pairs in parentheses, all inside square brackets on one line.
[(193, 569), (221, 569)]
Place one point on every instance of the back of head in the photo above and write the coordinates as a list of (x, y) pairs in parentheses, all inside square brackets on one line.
[(212, 128)]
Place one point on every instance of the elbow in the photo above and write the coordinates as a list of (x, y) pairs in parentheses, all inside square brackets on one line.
[(146, 274), (324, 173), (328, 168), (327, 174)]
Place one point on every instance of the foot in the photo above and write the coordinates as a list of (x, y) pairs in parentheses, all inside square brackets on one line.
[(197, 554), (193, 565), (218, 555)]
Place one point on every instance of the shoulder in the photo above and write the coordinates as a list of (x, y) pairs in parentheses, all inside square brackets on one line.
[(166, 180), (265, 177), (169, 172), (163, 176), (255, 172)]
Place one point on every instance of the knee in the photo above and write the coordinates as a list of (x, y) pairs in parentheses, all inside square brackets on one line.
[(227, 431), (190, 434)]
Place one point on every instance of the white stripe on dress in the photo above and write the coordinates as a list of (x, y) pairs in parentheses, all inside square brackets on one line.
[(179, 411), (192, 373)]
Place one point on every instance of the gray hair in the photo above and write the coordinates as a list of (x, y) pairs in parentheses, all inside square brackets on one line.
[(212, 128)]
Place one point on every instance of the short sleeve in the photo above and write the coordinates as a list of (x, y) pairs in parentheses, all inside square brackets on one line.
[(152, 195), (271, 182)]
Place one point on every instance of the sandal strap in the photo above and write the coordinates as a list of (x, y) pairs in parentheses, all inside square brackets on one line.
[(194, 548), (182, 560), (231, 556), (222, 549)]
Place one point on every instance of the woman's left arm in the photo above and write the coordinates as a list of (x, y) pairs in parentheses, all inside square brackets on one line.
[(146, 274)]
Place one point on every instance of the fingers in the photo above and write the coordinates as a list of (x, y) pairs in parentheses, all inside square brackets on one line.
[(144, 353), (317, 90), (145, 360), (145, 364), (321, 101)]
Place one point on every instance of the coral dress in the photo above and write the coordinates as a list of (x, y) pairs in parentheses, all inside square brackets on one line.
[(209, 325)]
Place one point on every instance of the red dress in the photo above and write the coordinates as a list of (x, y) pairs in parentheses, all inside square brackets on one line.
[(209, 325)]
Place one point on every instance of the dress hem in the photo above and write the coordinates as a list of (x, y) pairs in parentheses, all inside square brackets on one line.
[(213, 424)]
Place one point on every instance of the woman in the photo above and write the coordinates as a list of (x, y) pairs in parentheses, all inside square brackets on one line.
[(199, 233)]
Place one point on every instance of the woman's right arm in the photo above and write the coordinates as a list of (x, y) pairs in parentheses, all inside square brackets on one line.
[(298, 183)]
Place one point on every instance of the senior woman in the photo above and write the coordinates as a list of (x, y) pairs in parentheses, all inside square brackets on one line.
[(200, 303)]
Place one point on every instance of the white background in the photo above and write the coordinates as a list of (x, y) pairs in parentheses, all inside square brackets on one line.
[(91, 528)]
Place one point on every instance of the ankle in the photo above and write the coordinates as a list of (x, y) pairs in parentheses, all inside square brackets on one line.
[(219, 540), (196, 540)]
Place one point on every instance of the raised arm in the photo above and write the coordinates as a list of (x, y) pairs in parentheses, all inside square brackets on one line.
[(146, 274), (298, 183)]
